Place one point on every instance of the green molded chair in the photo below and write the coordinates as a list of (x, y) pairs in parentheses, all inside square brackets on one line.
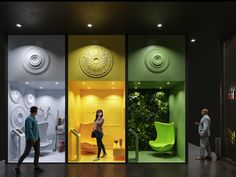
[(165, 137)]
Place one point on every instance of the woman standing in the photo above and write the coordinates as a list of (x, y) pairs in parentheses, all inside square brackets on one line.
[(98, 123)]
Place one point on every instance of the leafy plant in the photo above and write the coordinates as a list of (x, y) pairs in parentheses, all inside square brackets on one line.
[(145, 106)]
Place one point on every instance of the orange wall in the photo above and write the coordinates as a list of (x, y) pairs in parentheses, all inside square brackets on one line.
[(74, 114), (82, 109)]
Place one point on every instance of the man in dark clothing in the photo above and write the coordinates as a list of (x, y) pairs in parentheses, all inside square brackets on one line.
[(32, 140)]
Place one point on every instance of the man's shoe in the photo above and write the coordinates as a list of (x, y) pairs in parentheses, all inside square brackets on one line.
[(38, 169), (104, 155), (97, 159), (208, 158), (199, 158), (17, 170)]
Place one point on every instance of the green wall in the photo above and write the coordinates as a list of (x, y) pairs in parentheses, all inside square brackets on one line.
[(177, 115), (140, 46)]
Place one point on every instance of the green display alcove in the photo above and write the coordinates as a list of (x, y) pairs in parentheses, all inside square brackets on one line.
[(149, 102), (156, 63)]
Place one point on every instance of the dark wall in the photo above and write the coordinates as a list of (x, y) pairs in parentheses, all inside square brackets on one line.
[(229, 100), (2, 99), (204, 73)]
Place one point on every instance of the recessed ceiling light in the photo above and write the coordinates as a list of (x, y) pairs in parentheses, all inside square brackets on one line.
[(139, 83), (193, 40), (168, 83), (159, 25), (113, 87), (56, 83), (89, 25), (18, 25), (40, 87), (83, 83), (112, 83), (88, 87), (26, 83)]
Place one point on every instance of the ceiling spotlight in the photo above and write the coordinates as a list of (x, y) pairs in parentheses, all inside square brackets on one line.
[(159, 25), (40, 87), (90, 25), (26, 83), (18, 25), (83, 83), (193, 40), (113, 87), (56, 83), (168, 83), (139, 83), (112, 83), (88, 87)]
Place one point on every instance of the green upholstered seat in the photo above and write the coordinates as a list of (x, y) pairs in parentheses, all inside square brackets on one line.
[(165, 139)]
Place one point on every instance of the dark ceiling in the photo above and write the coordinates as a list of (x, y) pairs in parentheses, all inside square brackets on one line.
[(118, 17)]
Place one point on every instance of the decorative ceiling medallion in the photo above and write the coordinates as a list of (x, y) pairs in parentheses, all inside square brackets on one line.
[(15, 94), (18, 116), (36, 60), (29, 98), (96, 61), (157, 60)]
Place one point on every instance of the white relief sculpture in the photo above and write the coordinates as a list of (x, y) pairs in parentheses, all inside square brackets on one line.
[(36, 60), (45, 111), (18, 116), (157, 60), (29, 98), (15, 94), (96, 61)]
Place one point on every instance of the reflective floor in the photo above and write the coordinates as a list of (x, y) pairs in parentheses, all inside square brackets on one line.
[(153, 157), (214, 168), (90, 157), (45, 156)]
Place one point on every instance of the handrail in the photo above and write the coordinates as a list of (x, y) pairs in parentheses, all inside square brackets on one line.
[(76, 133), (136, 144)]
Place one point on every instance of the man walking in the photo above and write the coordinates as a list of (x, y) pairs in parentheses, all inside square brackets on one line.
[(32, 140)]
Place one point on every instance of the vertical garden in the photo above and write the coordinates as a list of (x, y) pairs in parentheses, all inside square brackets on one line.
[(145, 106)]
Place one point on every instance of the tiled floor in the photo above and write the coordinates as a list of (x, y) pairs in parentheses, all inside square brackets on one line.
[(194, 168)]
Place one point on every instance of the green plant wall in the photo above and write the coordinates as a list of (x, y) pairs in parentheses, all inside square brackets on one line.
[(145, 106), (177, 115)]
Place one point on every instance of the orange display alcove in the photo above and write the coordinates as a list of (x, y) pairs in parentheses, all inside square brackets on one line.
[(85, 97), (96, 70)]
